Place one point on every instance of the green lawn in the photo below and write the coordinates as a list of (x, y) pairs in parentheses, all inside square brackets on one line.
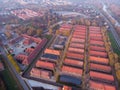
[(113, 43), (9, 81)]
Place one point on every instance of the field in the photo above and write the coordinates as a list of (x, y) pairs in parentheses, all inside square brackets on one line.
[(9, 81), (113, 43)]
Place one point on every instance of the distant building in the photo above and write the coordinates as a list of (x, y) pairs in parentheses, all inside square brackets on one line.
[(22, 58), (65, 29), (36, 40), (29, 50), (27, 41), (16, 40), (25, 13)]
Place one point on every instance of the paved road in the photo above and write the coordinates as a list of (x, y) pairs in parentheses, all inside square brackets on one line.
[(13, 71), (112, 29), (115, 17)]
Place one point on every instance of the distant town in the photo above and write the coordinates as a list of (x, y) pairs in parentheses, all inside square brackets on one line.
[(59, 45)]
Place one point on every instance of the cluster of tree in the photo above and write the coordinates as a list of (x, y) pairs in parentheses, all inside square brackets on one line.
[(28, 30), (14, 63), (83, 21), (45, 21), (113, 57), (23, 29), (54, 28), (34, 26)]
